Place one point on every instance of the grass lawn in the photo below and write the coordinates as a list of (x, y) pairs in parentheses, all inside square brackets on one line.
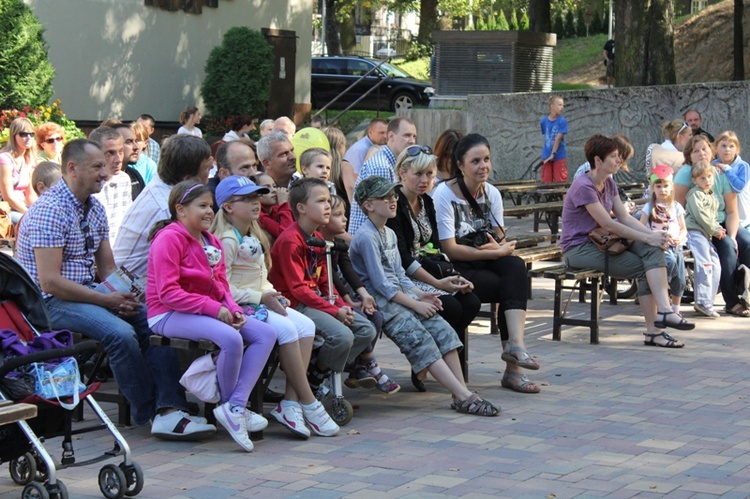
[(576, 52)]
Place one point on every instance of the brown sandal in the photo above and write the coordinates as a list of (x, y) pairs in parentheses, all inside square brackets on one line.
[(475, 405)]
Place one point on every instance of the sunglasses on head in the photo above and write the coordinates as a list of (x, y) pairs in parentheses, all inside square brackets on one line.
[(26, 134), (52, 140), (684, 126), (417, 150)]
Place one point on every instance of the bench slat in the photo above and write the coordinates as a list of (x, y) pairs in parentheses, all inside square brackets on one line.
[(17, 412)]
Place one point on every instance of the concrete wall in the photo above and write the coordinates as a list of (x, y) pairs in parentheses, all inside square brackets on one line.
[(511, 121), (119, 58), (431, 123)]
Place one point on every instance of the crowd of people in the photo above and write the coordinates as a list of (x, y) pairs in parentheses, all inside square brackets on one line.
[(224, 236)]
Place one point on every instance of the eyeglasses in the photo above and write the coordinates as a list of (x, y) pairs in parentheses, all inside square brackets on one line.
[(417, 150), (26, 134), (392, 197), (684, 126), (52, 140)]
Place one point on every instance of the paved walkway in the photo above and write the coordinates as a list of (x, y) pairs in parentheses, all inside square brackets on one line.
[(617, 419)]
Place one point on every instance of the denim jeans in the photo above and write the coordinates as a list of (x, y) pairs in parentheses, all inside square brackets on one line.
[(729, 261), (147, 376), (707, 268)]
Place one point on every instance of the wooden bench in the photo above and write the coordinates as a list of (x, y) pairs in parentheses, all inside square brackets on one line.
[(13, 413), (206, 346), (549, 211), (585, 279)]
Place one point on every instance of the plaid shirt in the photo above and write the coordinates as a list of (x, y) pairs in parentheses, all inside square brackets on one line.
[(381, 164), (56, 220), (154, 150), (116, 196)]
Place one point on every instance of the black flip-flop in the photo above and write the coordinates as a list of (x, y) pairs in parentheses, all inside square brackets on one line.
[(683, 325)]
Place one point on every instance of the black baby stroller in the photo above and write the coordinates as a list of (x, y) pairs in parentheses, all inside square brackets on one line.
[(30, 463)]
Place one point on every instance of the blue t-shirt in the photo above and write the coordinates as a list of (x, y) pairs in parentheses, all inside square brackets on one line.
[(550, 129)]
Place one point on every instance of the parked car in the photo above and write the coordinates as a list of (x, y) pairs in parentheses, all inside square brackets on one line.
[(386, 51), (332, 75)]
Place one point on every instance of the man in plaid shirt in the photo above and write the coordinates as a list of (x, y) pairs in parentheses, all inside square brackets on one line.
[(63, 241)]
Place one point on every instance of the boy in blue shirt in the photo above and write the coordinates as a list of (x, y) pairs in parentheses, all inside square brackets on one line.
[(554, 157)]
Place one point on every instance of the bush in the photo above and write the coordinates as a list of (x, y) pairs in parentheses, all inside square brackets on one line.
[(558, 26), (570, 24), (238, 74), (37, 116), (418, 51), (597, 24), (513, 22), (502, 22), (26, 77)]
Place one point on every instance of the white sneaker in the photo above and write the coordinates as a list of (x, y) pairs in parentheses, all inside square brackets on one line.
[(178, 425), (320, 422), (290, 415), (255, 422), (235, 423)]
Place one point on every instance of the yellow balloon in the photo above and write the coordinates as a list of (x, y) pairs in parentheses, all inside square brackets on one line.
[(307, 138)]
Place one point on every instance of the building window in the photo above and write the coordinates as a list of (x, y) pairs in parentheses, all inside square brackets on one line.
[(698, 5)]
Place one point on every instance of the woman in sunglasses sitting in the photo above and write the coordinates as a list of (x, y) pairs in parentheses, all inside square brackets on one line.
[(416, 231), (676, 134), (51, 138), (470, 227), (17, 160)]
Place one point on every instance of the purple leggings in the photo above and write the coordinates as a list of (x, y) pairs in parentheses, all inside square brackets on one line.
[(237, 371)]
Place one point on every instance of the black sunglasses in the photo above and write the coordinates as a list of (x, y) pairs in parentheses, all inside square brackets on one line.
[(27, 134), (88, 241), (417, 150), (53, 140)]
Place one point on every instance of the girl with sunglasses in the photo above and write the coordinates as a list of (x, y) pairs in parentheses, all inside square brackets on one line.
[(17, 161), (676, 135), (470, 227), (51, 138)]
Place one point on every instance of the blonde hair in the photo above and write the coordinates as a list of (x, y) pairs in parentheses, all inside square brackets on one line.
[(46, 172), (671, 129), (307, 157), (701, 167), (553, 98), (17, 126), (418, 163), (222, 223), (336, 139), (731, 137)]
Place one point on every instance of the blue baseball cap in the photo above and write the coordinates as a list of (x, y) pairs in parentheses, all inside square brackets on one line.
[(237, 185)]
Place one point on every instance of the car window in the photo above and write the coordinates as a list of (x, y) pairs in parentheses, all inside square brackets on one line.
[(394, 72), (328, 66), (357, 67)]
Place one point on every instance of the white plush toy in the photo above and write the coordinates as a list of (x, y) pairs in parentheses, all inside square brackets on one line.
[(213, 253), (250, 249)]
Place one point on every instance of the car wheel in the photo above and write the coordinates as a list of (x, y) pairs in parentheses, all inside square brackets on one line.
[(402, 101)]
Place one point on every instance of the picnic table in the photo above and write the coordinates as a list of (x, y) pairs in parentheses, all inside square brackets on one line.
[(550, 212)]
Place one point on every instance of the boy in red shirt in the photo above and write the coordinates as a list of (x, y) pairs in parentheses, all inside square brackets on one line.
[(300, 273)]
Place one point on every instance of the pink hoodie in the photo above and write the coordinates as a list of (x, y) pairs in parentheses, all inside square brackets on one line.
[(180, 278)]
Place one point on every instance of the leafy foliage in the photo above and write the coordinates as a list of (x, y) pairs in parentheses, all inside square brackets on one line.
[(37, 116), (418, 51), (513, 22), (581, 24), (524, 23), (26, 75), (570, 24), (238, 74), (502, 22)]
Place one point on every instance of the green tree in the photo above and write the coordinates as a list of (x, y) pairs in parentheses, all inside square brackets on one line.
[(524, 24), (513, 22), (570, 24), (26, 74), (502, 22), (558, 25), (597, 23), (238, 73)]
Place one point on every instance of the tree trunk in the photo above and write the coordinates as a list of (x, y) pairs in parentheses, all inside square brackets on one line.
[(333, 44), (739, 48), (428, 21), (644, 53), (540, 19)]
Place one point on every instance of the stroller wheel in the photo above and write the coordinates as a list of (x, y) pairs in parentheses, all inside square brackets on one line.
[(341, 411), (58, 491), (112, 482), (34, 490), (23, 469), (134, 478)]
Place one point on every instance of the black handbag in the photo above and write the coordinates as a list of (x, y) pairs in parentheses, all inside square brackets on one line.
[(437, 265)]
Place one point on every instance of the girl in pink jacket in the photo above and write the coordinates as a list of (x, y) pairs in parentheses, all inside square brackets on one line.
[(188, 297)]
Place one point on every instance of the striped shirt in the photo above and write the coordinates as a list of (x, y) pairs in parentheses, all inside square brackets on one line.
[(380, 164), (56, 220)]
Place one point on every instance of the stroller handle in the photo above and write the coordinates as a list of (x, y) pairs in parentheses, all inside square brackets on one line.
[(13, 363)]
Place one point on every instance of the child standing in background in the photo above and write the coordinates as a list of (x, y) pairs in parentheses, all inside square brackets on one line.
[(702, 223), (188, 297), (737, 172), (663, 214), (554, 157)]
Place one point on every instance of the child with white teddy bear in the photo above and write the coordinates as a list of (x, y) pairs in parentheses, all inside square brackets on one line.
[(247, 262)]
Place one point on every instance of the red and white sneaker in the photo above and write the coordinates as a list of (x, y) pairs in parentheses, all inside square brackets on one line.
[(320, 422), (290, 415)]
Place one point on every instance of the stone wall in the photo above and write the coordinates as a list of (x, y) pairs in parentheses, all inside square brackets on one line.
[(511, 121)]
